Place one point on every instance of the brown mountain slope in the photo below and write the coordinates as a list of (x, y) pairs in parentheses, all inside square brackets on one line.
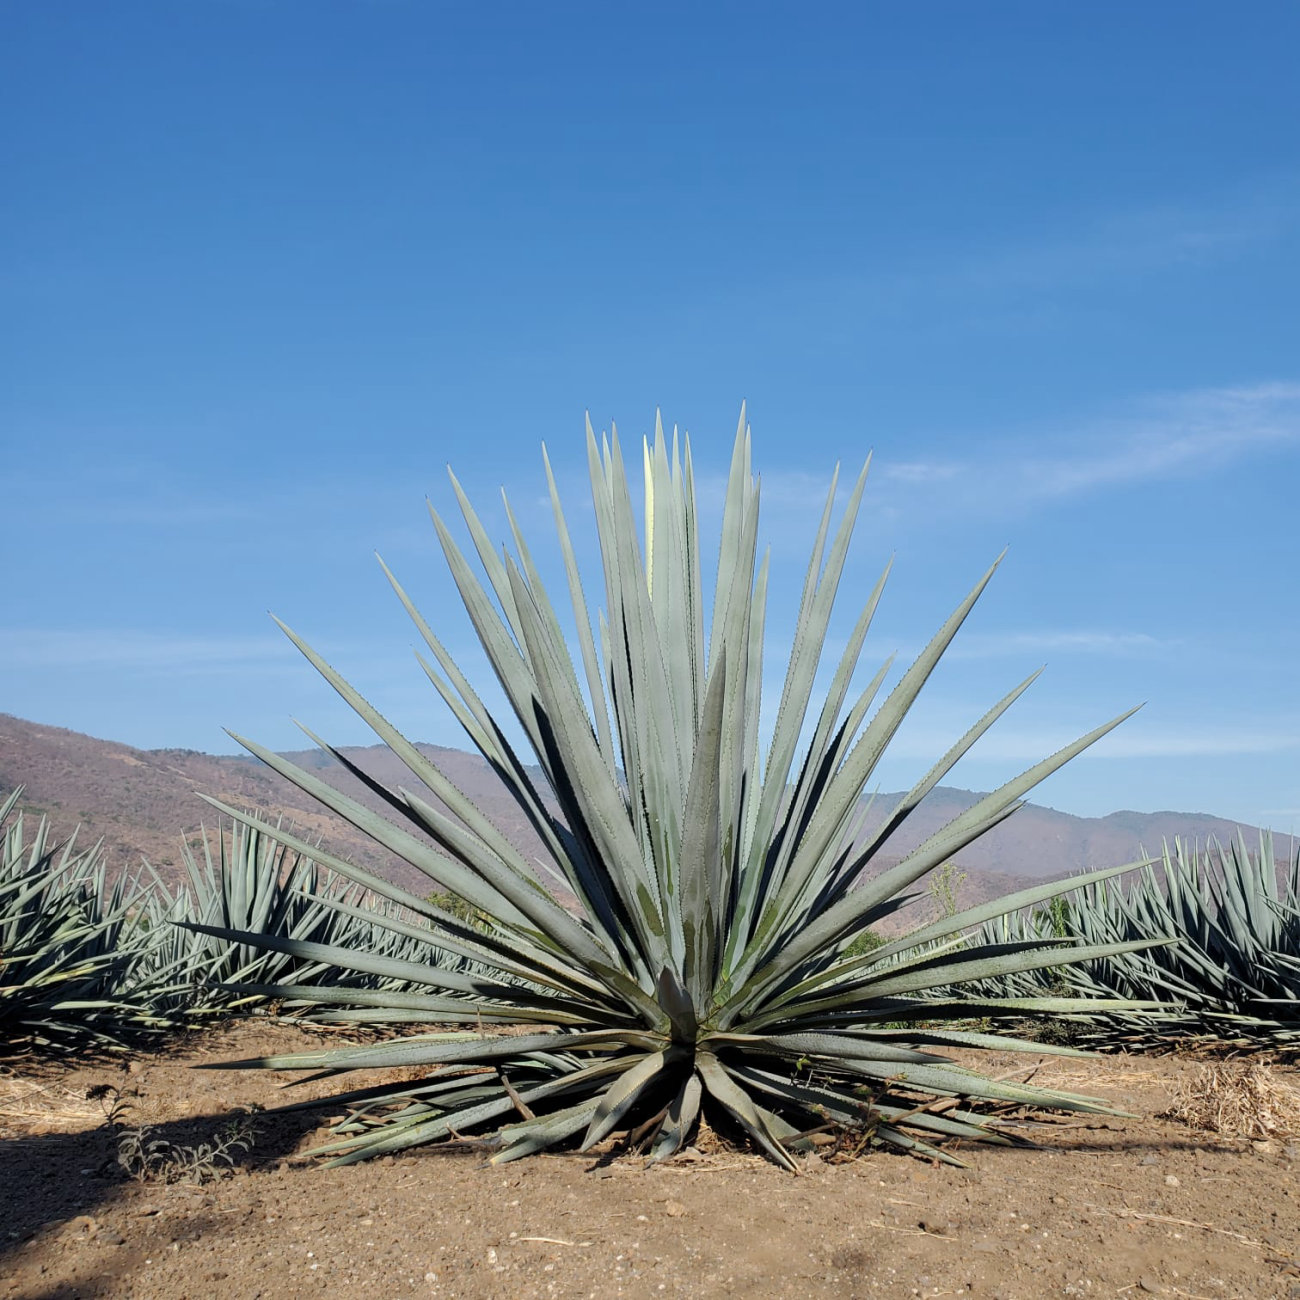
[(1043, 843), (142, 802)]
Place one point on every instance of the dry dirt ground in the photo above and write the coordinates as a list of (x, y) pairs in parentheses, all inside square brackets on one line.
[(1117, 1207)]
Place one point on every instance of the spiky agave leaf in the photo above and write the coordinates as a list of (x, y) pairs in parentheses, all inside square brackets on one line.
[(718, 883)]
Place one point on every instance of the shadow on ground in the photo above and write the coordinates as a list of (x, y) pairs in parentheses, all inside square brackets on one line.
[(49, 1179)]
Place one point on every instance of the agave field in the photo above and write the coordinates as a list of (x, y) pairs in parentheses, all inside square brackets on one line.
[(714, 964)]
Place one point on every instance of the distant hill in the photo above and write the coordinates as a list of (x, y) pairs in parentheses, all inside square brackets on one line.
[(1043, 843), (143, 802)]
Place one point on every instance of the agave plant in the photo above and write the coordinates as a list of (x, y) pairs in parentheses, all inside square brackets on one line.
[(245, 880), (685, 943), (1233, 976), (70, 946)]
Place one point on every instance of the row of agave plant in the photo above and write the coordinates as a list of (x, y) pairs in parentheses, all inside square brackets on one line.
[(1231, 979), (87, 962)]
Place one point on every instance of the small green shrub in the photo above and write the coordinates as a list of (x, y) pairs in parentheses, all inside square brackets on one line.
[(863, 943), (147, 1156), (942, 888)]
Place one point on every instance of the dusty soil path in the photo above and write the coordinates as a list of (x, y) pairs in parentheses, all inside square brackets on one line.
[(1112, 1208)]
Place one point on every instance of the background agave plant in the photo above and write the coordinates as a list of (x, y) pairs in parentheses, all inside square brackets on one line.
[(1232, 977), (246, 881), (85, 962), (717, 882), (70, 947)]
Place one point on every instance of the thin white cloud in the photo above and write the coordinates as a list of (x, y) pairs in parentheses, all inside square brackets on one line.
[(1186, 433), (1007, 284), (799, 491), (991, 645), (178, 514), (791, 491), (115, 648), (1173, 435), (1140, 240), (1156, 438), (1194, 744), (121, 651), (1130, 741), (921, 471)]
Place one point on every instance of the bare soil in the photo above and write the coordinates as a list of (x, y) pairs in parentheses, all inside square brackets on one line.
[(1109, 1207)]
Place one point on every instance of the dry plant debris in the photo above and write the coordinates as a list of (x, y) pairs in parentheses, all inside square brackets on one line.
[(29, 1106), (1237, 1099)]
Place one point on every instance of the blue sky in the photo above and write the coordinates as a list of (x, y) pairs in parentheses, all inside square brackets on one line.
[(268, 266)]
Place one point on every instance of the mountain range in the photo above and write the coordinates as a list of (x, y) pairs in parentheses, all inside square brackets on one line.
[(143, 803)]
